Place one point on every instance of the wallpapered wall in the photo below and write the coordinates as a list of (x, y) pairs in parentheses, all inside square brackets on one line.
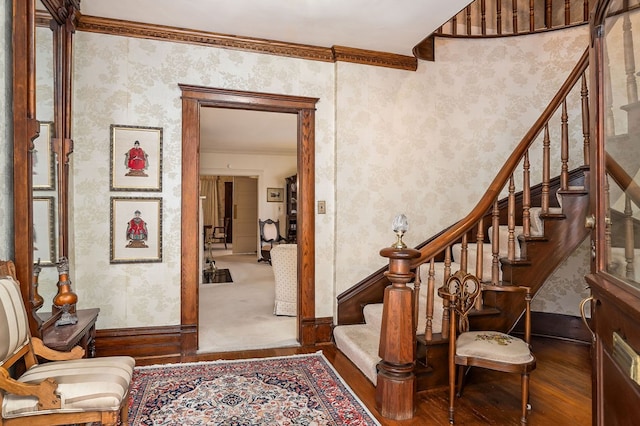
[(6, 154), (387, 141)]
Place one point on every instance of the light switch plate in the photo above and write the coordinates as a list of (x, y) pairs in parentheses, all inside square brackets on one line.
[(322, 207)]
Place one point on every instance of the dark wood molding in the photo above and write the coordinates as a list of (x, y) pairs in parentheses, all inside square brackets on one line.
[(557, 326), (25, 129), (146, 344), (324, 330), (195, 97), (375, 58), (426, 49), (271, 47)]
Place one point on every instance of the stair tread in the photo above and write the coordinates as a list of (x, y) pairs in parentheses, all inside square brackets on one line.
[(359, 343)]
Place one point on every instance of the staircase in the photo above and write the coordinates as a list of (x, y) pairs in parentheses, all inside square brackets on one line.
[(513, 239)]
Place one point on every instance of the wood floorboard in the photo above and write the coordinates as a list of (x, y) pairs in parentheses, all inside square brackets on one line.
[(560, 388)]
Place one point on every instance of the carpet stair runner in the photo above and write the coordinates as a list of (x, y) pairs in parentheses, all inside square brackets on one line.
[(359, 342)]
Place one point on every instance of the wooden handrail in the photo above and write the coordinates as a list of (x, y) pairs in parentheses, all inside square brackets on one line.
[(493, 191), (622, 179)]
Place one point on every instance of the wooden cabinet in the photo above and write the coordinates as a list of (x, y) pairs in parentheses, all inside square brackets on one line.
[(65, 337), (615, 220), (291, 229)]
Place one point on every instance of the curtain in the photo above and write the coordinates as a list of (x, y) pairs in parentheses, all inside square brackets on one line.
[(210, 209)]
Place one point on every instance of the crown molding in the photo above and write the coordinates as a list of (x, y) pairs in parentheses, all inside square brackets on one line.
[(293, 50)]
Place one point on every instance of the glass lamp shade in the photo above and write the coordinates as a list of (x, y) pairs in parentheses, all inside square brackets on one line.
[(400, 225)]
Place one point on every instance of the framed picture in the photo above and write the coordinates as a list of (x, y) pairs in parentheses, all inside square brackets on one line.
[(275, 195), (44, 237), (136, 158), (136, 230), (43, 159)]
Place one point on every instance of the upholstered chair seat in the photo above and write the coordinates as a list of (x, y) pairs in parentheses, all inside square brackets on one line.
[(493, 346), (83, 384)]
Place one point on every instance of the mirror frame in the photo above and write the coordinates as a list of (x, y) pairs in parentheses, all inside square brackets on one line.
[(26, 128)]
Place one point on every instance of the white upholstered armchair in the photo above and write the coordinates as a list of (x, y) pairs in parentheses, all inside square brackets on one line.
[(284, 261), (69, 389)]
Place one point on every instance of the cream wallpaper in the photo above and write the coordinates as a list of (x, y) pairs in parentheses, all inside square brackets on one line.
[(402, 137), (387, 141), (6, 133), (135, 82)]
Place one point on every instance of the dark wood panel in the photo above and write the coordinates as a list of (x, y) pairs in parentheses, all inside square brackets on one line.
[(147, 345)]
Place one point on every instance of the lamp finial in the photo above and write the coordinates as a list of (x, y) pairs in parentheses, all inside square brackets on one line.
[(400, 225)]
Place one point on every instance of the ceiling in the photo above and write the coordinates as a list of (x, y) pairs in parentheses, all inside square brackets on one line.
[(392, 26)]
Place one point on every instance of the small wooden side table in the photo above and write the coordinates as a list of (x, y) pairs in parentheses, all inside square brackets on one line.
[(65, 337)]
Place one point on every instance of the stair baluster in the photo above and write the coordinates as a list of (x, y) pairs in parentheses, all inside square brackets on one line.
[(511, 220), (479, 258), (495, 244), (546, 175), (564, 149), (428, 332), (584, 94), (629, 246), (526, 198)]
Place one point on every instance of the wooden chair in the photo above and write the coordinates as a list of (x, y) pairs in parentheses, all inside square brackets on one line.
[(269, 236), (218, 234), (485, 348), (67, 390)]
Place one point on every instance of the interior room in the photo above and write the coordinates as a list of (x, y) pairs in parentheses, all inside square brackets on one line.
[(236, 282), (299, 204)]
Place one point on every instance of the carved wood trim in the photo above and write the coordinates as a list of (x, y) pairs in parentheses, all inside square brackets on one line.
[(195, 97), (25, 130), (271, 47), (372, 57)]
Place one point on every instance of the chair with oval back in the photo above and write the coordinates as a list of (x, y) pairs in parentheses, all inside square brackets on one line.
[(269, 236)]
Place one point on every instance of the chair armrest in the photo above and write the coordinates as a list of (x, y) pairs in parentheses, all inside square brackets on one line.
[(47, 353), (44, 391)]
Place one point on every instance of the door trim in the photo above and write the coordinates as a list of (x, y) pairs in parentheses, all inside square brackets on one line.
[(195, 97)]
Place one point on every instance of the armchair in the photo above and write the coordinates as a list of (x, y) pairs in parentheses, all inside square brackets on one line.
[(269, 236), (284, 258), (67, 390)]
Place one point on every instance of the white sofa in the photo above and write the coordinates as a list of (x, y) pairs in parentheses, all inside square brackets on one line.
[(284, 261)]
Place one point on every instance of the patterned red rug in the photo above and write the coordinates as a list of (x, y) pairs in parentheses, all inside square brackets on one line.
[(294, 390)]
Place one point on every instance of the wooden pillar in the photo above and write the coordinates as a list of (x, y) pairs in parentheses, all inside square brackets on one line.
[(396, 387)]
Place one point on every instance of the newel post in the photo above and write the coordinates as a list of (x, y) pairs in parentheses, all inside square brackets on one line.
[(396, 387)]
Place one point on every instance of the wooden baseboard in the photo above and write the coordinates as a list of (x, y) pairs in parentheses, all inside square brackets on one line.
[(148, 345), (154, 345), (559, 326)]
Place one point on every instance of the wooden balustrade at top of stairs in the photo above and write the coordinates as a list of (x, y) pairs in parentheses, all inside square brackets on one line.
[(544, 230)]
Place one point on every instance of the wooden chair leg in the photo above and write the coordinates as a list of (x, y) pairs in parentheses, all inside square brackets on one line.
[(461, 377), (124, 412), (452, 390), (525, 398)]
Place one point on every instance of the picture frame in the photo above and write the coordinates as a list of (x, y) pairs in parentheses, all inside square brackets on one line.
[(44, 239), (136, 230), (275, 195), (136, 158), (43, 159)]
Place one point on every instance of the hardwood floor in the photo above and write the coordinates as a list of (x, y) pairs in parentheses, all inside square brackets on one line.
[(560, 388)]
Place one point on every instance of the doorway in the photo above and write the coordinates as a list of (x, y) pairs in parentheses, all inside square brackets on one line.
[(195, 97)]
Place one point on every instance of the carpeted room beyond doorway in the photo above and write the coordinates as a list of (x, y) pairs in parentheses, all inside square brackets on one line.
[(239, 315)]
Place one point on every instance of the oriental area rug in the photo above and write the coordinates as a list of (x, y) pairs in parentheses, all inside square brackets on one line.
[(292, 390)]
